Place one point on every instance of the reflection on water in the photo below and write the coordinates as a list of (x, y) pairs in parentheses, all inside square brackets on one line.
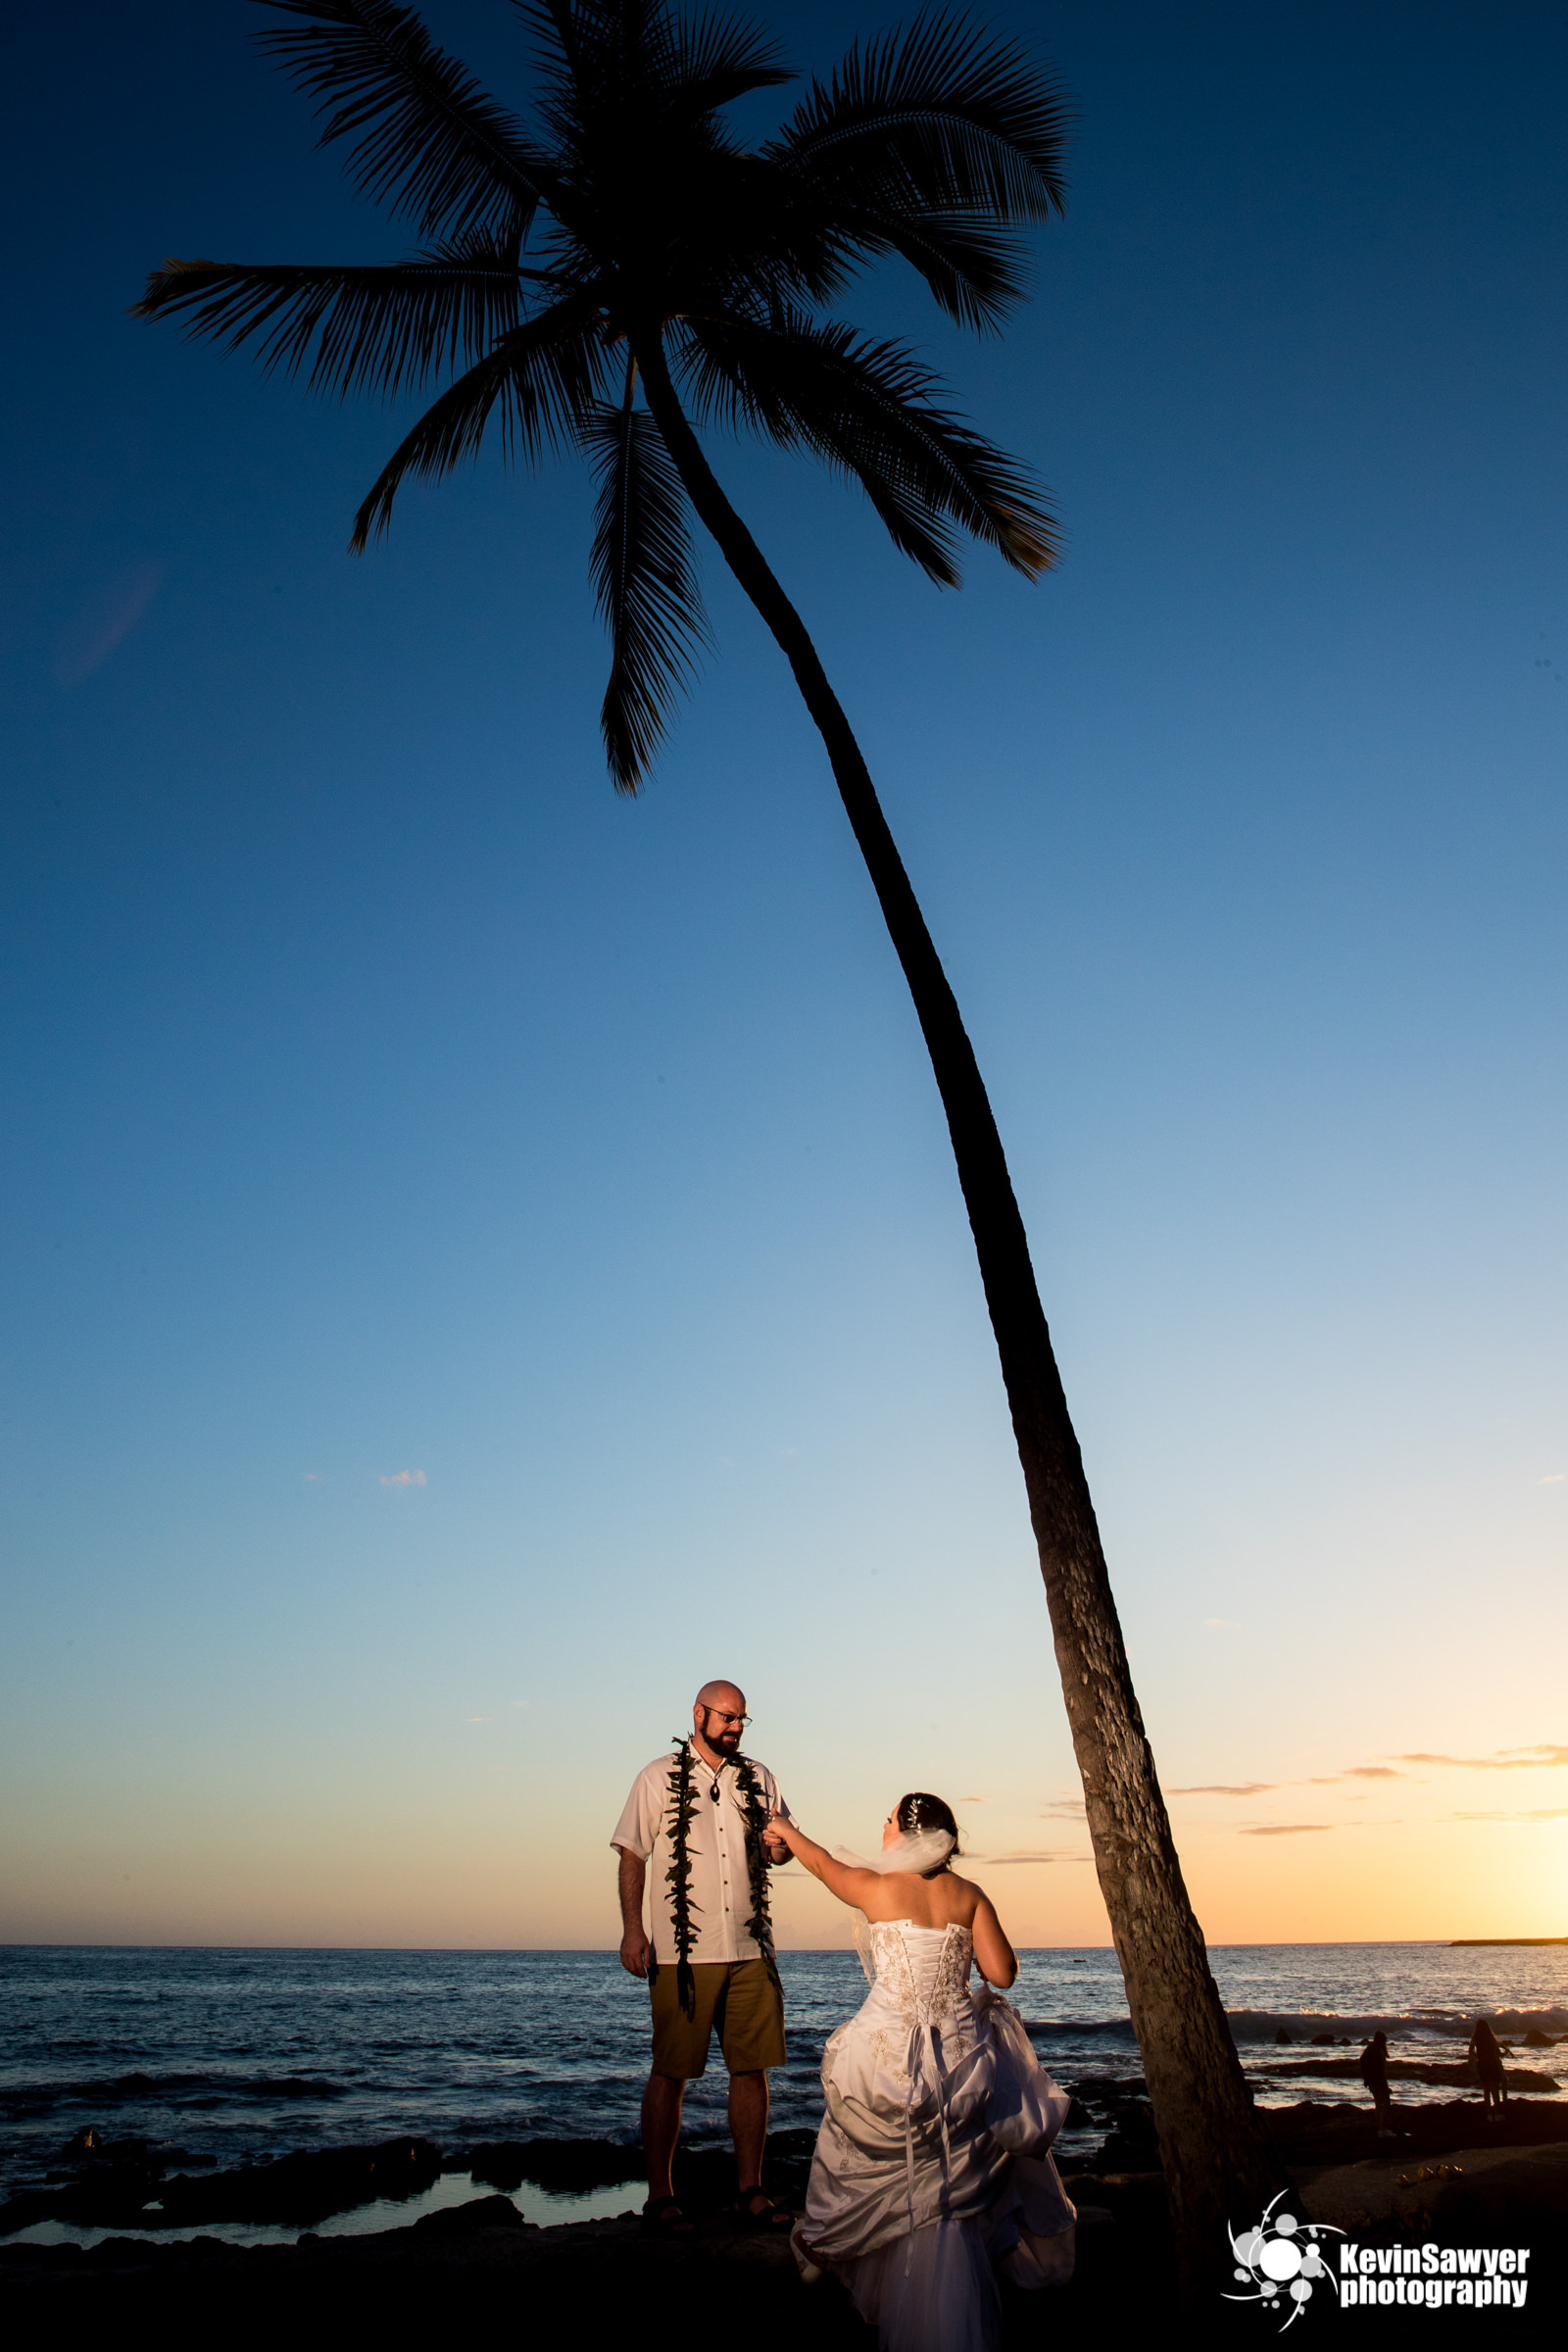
[(536, 2205)]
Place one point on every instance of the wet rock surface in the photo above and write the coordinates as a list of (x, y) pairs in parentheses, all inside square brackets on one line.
[(130, 2186), (1317, 2133), (482, 2262), (1517, 2080)]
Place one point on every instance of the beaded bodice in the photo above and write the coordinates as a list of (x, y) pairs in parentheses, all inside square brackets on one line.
[(924, 1972)]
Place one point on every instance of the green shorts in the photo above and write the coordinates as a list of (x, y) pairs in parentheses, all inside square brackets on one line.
[(739, 1996)]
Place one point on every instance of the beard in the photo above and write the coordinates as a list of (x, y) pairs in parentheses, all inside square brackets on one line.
[(727, 1741)]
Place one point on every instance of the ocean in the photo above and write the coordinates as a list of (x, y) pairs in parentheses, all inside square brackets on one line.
[(245, 2054)]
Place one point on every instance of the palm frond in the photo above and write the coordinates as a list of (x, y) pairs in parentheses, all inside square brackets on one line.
[(427, 139), (870, 410), (381, 328), (645, 584), (973, 269), (639, 60), (715, 59), (542, 378), (941, 117)]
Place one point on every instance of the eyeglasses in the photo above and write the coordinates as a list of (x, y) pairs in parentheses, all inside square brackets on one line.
[(739, 1720)]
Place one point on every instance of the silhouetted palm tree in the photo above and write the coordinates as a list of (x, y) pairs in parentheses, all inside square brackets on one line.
[(605, 276)]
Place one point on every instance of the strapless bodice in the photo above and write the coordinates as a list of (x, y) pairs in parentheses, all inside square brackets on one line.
[(924, 1972)]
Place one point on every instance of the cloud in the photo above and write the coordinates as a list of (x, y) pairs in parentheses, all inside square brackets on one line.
[(405, 1478), (1288, 1828), (1229, 1788), (1555, 1480), (1064, 1808), (106, 620), (477, 1719), (1541, 1813), (1505, 1759), (314, 1477), (1233, 1623), (1356, 1771), (1027, 1854), (983, 1799)]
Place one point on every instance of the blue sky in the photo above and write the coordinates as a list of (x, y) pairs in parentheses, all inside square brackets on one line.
[(386, 1102)]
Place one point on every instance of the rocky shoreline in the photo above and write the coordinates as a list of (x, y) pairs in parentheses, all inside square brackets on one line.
[(1456, 2175)]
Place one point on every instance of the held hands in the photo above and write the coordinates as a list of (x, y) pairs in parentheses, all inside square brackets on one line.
[(635, 1950), (777, 1838)]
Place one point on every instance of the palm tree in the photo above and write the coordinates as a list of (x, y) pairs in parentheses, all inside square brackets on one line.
[(605, 278)]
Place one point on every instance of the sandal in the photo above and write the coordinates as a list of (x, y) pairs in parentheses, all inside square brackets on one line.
[(757, 2211), (664, 2217)]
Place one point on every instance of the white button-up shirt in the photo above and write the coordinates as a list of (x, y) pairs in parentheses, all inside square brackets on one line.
[(715, 1844)]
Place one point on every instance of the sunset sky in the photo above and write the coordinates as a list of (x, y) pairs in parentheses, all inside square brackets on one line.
[(481, 1257)]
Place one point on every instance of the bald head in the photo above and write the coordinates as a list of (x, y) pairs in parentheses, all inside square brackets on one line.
[(718, 1717)]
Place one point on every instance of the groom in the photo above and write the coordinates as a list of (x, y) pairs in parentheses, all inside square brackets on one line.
[(702, 1815)]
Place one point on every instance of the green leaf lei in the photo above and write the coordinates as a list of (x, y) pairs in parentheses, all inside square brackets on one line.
[(760, 1923), (678, 1876)]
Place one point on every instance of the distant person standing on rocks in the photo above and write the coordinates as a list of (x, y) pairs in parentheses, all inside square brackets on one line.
[(1375, 2075), (702, 1817), (1486, 2060)]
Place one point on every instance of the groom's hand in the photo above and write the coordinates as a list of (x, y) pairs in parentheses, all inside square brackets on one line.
[(634, 1950)]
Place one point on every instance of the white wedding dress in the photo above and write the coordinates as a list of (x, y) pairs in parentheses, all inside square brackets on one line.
[(931, 2170)]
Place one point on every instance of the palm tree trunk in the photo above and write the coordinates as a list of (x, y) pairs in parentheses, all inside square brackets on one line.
[(1217, 2161)]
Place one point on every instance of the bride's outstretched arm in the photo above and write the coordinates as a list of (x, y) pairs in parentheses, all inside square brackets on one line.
[(998, 1961), (849, 1884)]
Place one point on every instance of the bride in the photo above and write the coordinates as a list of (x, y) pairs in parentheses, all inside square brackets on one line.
[(931, 2171)]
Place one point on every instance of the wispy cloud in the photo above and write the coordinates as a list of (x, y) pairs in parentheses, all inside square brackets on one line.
[(1064, 1808), (1290, 1829), (477, 1719), (405, 1478), (1233, 1623), (314, 1477), (1503, 1759), (984, 1798), (1028, 1855), (1229, 1788), (1554, 1478), (1541, 1813), (105, 621)]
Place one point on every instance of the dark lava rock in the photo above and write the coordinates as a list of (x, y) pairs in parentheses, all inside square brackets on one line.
[(1316, 2132), (114, 2195), (566, 2167), (1437, 2072), (1132, 2145), (304, 2188), (479, 2213), (1283, 2038), (1323, 2040), (705, 2177), (102, 2197), (1534, 2039)]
